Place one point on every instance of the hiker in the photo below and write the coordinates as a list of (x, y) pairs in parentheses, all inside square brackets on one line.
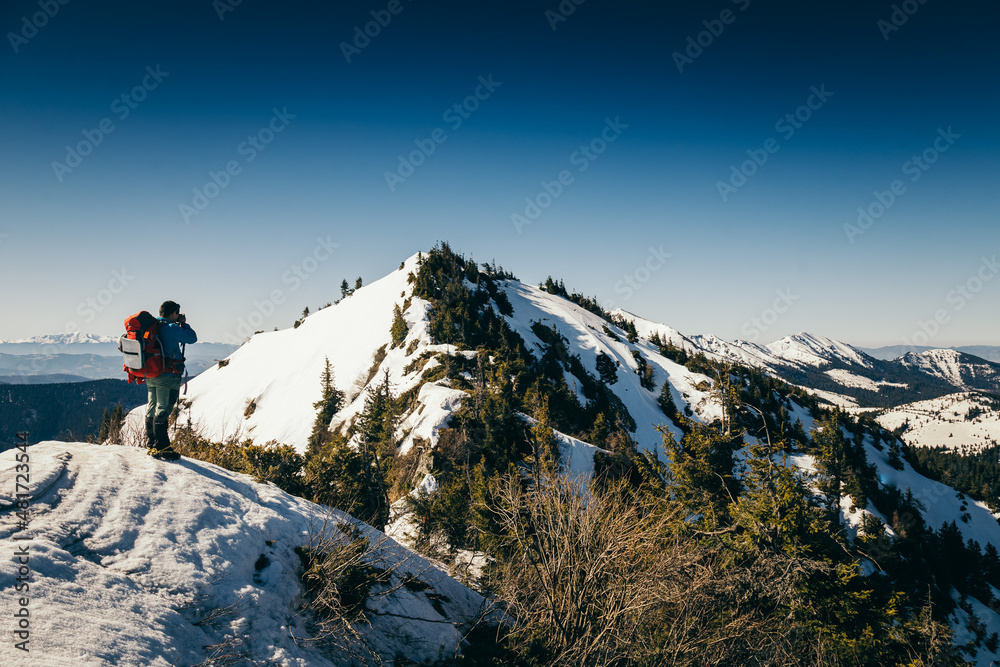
[(164, 389)]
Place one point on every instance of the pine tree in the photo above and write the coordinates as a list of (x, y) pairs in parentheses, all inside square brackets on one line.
[(600, 431), (345, 289), (775, 508), (338, 476), (894, 455), (111, 426), (666, 401), (330, 402), (606, 369), (726, 392), (545, 457), (832, 463), (643, 370), (399, 328), (701, 473), (357, 283), (375, 429)]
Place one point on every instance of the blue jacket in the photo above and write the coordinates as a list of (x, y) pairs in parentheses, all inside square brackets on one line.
[(172, 334)]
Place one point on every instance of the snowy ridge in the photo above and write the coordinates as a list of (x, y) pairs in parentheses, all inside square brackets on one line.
[(943, 363), (801, 349), (279, 371), (813, 350), (74, 338), (140, 554), (962, 370)]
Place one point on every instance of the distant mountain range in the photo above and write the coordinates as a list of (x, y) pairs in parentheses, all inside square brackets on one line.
[(75, 338), (841, 373), (76, 357), (988, 352)]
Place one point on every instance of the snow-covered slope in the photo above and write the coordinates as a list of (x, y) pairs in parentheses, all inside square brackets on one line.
[(964, 371), (280, 371), (804, 348), (585, 334), (945, 421), (139, 562)]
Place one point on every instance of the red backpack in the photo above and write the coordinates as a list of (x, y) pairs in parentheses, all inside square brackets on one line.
[(143, 352)]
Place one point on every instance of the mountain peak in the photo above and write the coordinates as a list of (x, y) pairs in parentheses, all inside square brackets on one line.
[(816, 350)]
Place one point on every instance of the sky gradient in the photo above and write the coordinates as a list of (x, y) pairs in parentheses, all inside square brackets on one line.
[(259, 150)]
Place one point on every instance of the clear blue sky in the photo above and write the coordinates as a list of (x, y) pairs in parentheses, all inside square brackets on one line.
[(95, 237)]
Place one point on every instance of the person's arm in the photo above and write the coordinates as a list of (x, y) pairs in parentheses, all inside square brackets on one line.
[(184, 333)]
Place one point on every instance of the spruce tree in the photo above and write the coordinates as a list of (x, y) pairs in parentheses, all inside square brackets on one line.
[(375, 429), (666, 401), (606, 369), (399, 328), (111, 425), (330, 402), (832, 462)]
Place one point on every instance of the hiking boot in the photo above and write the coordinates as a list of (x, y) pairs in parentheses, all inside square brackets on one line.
[(150, 434), (162, 441), (161, 449), (165, 454)]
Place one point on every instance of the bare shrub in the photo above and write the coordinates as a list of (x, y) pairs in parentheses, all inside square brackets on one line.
[(594, 577), (342, 570)]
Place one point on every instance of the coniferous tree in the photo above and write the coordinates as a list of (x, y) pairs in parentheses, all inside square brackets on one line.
[(330, 402), (357, 283), (375, 428), (666, 401), (832, 462), (600, 431), (111, 425), (606, 368), (338, 476), (399, 328), (894, 456), (345, 289)]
